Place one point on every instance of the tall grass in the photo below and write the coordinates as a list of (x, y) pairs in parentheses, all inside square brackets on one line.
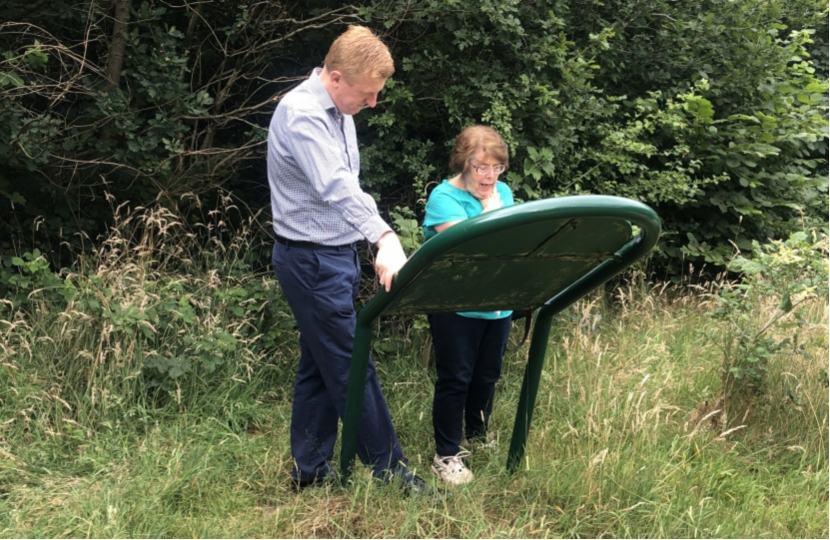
[(153, 401)]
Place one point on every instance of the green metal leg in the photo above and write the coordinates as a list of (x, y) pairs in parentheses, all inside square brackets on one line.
[(530, 386), (354, 397)]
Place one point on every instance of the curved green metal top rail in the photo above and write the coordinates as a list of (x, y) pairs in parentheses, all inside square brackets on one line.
[(521, 257)]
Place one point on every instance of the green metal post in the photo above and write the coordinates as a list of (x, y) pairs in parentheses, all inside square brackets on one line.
[(530, 386), (354, 397)]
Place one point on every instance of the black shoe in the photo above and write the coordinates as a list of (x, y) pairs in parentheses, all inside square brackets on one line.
[(330, 479), (415, 486)]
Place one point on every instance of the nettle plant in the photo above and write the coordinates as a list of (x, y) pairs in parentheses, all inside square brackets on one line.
[(763, 314)]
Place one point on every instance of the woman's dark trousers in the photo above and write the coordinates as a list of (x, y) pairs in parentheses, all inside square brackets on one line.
[(469, 355)]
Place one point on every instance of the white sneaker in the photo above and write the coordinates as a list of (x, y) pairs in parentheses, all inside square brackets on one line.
[(451, 469)]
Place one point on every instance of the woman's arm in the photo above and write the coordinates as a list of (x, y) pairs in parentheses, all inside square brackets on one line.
[(441, 227)]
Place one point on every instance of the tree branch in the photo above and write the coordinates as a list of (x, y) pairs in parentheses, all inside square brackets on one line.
[(119, 42)]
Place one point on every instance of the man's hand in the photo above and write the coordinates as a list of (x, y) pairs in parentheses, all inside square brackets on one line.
[(390, 259)]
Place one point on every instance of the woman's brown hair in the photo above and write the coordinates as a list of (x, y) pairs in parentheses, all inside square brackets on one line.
[(473, 138)]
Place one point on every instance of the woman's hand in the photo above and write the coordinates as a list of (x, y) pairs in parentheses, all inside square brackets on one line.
[(493, 202)]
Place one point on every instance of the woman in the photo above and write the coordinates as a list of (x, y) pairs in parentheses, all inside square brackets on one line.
[(469, 346)]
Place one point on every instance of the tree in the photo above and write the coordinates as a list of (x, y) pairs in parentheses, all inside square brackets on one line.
[(713, 112), (141, 99), (710, 112)]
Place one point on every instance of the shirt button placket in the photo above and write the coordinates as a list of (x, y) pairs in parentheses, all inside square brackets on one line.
[(341, 123)]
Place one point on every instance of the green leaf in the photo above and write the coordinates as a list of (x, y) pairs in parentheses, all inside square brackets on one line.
[(10, 77), (786, 304), (816, 87), (35, 58)]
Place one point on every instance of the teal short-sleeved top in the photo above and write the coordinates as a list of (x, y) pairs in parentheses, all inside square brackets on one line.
[(448, 203)]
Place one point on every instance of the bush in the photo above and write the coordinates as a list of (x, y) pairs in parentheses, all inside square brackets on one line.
[(162, 309), (786, 276)]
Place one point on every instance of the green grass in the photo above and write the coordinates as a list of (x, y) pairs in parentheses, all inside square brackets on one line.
[(87, 451), (608, 454)]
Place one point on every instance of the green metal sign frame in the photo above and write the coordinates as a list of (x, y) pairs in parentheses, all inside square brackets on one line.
[(544, 254)]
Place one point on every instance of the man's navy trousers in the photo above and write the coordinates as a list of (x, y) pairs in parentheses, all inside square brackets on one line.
[(321, 284)]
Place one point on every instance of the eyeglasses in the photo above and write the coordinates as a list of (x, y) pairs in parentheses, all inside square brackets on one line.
[(484, 169)]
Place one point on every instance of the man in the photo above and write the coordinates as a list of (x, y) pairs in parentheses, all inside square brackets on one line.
[(319, 214)]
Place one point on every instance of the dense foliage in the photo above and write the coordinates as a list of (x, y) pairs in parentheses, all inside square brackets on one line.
[(714, 112)]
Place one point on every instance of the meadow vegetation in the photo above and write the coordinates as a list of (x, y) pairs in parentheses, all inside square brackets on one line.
[(146, 392), (147, 355)]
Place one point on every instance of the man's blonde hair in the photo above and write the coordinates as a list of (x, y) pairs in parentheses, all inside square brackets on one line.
[(473, 138), (357, 52)]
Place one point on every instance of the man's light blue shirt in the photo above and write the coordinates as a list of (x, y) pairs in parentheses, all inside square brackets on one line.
[(313, 169)]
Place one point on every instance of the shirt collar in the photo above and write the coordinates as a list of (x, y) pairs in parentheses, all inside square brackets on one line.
[(320, 92)]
